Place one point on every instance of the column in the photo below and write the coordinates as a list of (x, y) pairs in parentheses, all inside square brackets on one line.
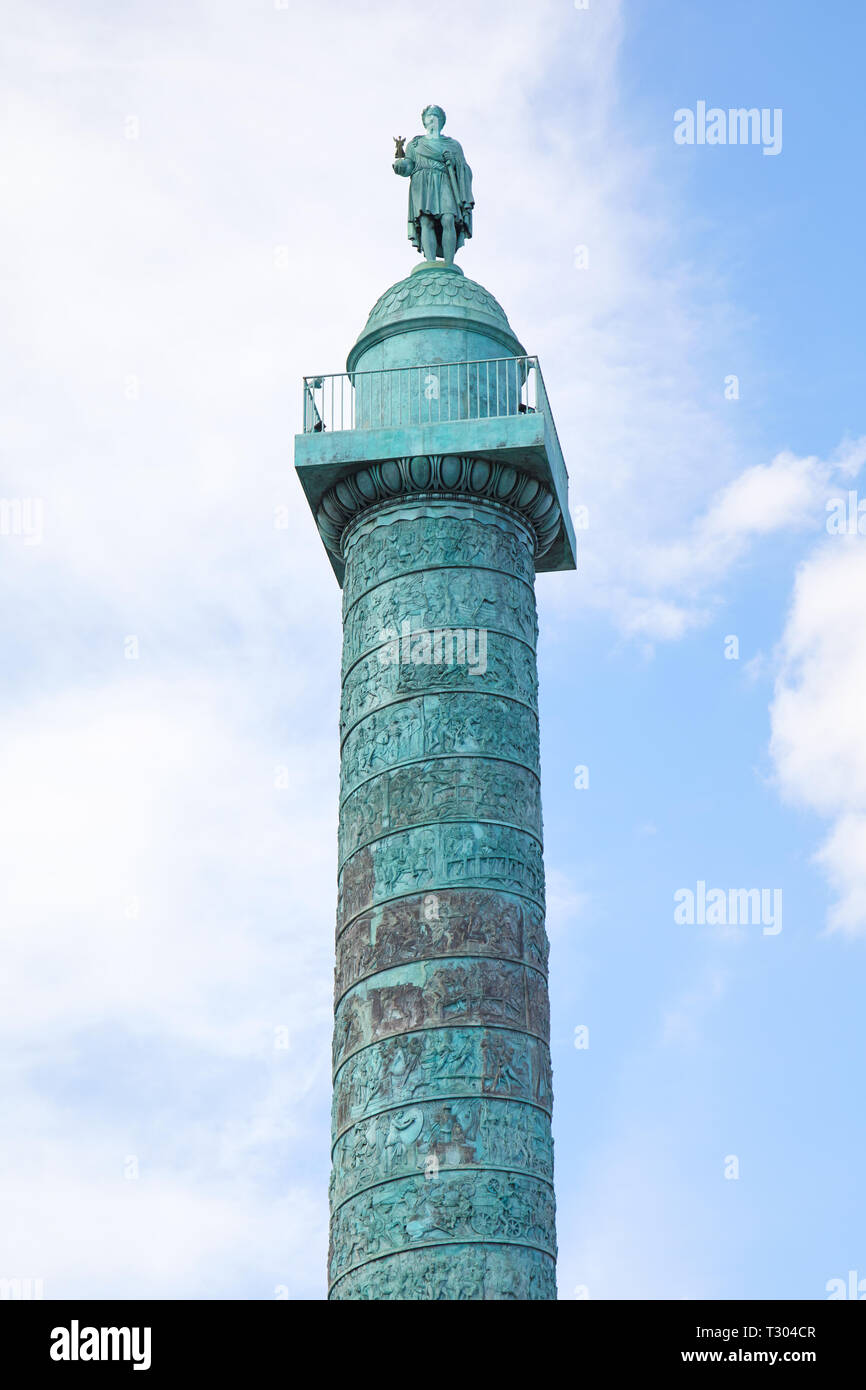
[(442, 1156)]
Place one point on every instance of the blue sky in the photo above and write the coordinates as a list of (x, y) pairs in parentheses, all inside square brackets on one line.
[(199, 210)]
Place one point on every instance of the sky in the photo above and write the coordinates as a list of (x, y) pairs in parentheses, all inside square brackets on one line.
[(198, 209)]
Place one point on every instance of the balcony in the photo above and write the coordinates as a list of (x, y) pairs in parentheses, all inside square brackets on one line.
[(437, 393), (496, 408)]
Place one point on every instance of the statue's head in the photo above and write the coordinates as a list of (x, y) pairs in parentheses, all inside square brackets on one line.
[(430, 116)]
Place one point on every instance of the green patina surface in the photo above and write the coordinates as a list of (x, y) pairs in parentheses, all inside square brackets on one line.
[(442, 1181), (443, 1159)]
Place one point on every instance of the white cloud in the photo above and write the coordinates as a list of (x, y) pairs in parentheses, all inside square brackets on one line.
[(167, 909), (843, 858), (657, 619), (817, 714), (683, 580), (180, 1229), (777, 496), (686, 576), (135, 806)]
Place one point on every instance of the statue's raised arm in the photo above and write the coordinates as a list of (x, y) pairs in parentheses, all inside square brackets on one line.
[(440, 188)]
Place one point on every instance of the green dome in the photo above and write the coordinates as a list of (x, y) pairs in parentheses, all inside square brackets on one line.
[(435, 295), (424, 290)]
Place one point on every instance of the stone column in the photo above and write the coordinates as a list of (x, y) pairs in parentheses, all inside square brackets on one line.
[(442, 1155)]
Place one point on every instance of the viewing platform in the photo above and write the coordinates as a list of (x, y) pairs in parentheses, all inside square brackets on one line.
[(493, 408)]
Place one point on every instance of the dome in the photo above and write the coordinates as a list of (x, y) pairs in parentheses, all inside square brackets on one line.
[(435, 296), (425, 291)]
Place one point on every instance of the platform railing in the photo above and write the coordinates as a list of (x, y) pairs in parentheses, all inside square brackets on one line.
[(434, 393)]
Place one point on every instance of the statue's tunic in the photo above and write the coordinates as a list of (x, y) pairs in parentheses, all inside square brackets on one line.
[(431, 190)]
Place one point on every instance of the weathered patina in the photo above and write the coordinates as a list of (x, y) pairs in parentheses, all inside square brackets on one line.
[(440, 188), (442, 1181)]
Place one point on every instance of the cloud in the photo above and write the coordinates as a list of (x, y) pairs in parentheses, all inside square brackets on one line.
[(166, 994), (139, 811), (843, 858), (817, 742), (687, 575), (778, 496), (72, 1218)]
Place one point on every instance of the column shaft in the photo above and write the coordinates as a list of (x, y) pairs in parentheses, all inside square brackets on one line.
[(442, 1155)]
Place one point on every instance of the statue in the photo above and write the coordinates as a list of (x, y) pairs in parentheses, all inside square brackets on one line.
[(440, 188)]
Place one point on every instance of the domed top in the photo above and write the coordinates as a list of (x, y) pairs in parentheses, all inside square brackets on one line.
[(435, 294), (434, 286)]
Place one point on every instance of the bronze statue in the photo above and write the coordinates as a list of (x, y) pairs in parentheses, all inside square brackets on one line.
[(440, 188)]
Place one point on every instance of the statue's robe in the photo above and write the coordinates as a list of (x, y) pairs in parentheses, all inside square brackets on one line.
[(434, 190)]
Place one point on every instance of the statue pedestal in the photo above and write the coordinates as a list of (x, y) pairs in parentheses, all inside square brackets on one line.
[(436, 265)]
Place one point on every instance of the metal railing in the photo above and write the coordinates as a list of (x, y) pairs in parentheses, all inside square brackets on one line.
[(435, 393)]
